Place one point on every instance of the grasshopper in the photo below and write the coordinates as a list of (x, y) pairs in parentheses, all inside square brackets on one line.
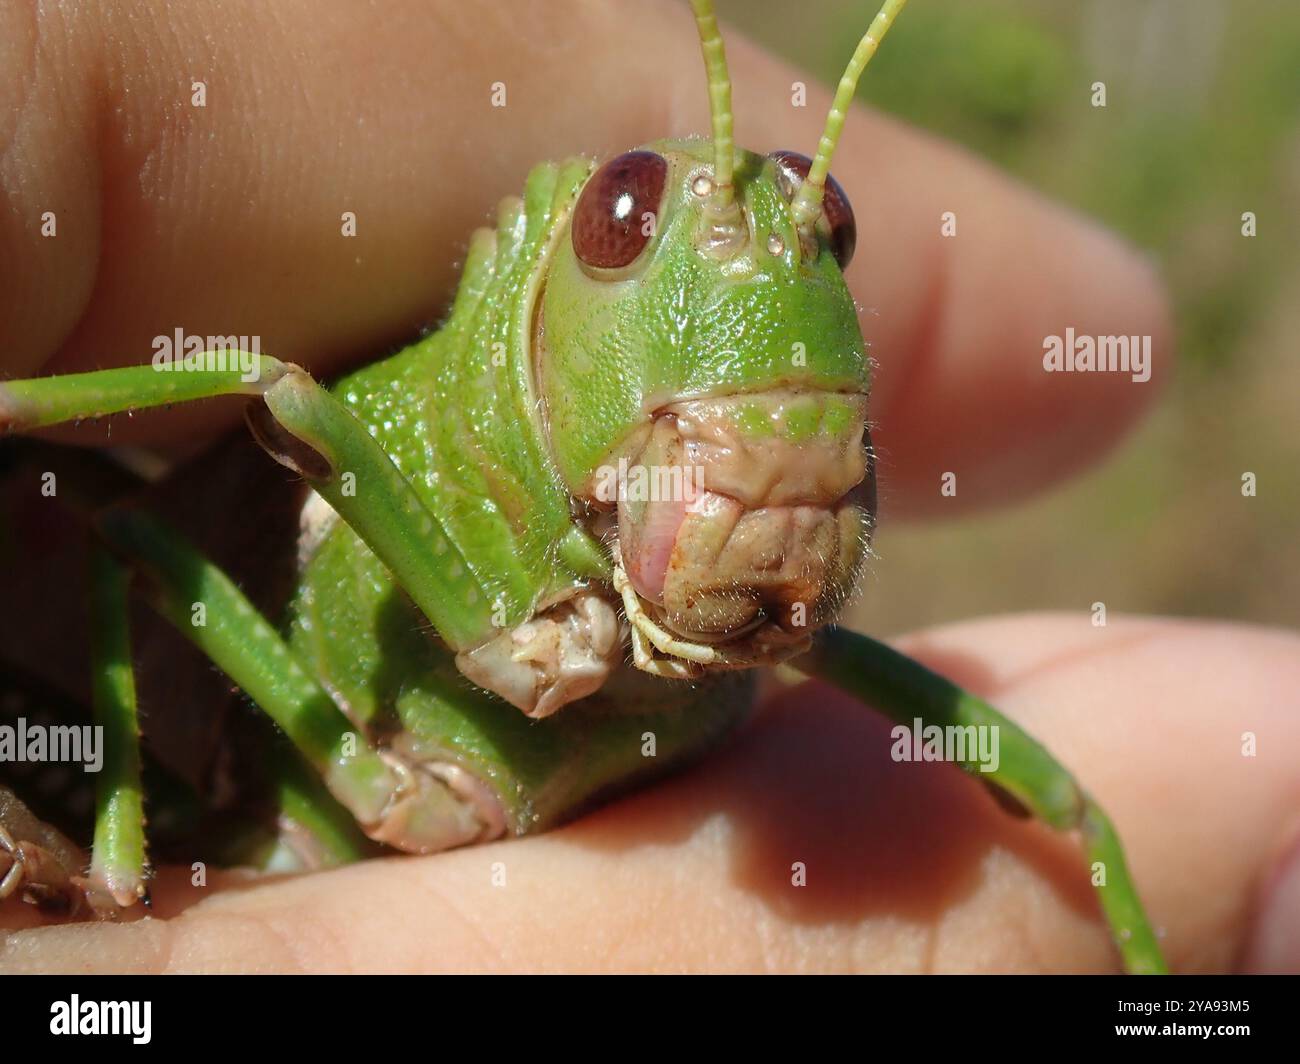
[(641, 428)]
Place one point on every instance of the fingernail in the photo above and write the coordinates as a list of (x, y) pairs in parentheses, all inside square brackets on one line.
[(1274, 944)]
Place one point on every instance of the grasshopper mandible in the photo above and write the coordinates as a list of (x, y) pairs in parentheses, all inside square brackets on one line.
[(641, 427)]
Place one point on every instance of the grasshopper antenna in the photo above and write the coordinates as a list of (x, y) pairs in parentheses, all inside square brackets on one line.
[(727, 219), (807, 206)]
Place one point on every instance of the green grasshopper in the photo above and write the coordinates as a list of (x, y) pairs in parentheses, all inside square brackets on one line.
[(642, 426)]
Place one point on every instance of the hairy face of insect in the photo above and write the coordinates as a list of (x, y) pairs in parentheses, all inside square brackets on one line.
[(723, 381)]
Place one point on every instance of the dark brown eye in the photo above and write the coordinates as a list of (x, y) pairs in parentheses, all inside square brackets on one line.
[(610, 227), (792, 168)]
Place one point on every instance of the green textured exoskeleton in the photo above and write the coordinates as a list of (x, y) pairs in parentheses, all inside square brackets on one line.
[(630, 466)]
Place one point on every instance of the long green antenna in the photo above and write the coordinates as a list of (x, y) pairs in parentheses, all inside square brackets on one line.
[(807, 206), (715, 64)]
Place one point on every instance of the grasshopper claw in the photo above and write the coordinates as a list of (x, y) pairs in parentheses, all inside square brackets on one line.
[(555, 657), (12, 861), (39, 866), (35, 875), (434, 808)]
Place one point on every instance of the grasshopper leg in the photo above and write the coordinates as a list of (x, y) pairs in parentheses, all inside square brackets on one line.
[(904, 689), (118, 854), (40, 866), (303, 427), (30, 871), (395, 802), (43, 401)]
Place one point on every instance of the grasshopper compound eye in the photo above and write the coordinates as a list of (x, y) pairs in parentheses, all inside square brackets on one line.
[(792, 168), (618, 209)]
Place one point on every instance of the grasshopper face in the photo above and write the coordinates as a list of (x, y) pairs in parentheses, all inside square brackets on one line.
[(703, 383), (703, 380)]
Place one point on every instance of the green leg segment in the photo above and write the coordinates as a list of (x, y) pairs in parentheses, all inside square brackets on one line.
[(309, 431), (316, 823), (903, 690), (369, 492), (311, 831), (305, 428), (45, 401), (118, 865), (393, 803), (307, 805)]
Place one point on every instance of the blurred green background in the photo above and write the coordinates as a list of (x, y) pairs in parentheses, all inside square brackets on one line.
[(1202, 123)]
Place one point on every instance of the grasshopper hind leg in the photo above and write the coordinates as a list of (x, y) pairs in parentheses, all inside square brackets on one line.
[(904, 689)]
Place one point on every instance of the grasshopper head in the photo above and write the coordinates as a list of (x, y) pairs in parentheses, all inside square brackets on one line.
[(704, 382)]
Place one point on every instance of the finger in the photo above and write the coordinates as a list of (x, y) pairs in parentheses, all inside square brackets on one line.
[(226, 219), (906, 866)]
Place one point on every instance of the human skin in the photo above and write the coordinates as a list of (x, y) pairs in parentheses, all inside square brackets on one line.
[(225, 219)]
